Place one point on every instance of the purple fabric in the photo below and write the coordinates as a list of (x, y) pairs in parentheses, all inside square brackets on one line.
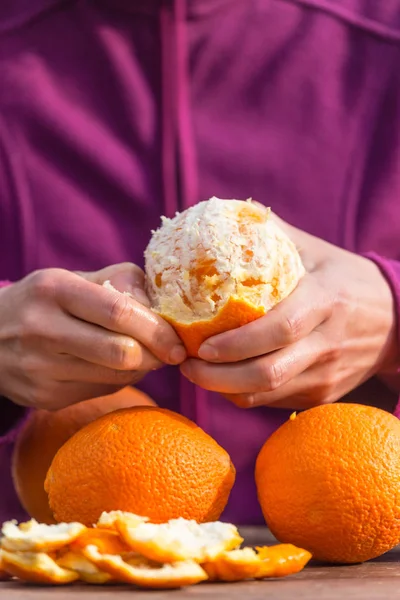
[(113, 112)]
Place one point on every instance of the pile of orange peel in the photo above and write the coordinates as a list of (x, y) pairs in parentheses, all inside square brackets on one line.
[(125, 548)]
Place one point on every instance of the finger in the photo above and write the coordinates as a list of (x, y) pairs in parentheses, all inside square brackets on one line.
[(60, 395), (263, 374), (125, 277), (289, 321), (70, 368), (72, 392), (292, 396), (305, 391), (91, 343), (119, 313)]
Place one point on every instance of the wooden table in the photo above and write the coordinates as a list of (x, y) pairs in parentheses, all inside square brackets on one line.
[(375, 580)]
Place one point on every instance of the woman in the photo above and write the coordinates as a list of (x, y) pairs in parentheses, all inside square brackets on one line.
[(115, 112)]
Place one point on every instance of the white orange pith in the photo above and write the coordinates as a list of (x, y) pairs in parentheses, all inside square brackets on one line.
[(219, 265), (178, 553), (180, 539)]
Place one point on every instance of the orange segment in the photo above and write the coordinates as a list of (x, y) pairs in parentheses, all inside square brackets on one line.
[(139, 571), (36, 568)]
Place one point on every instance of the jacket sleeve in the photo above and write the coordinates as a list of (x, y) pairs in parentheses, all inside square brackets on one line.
[(11, 415), (391, 271), (12, 418)]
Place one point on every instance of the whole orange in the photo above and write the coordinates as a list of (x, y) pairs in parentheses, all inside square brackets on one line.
[(149, 461), (328, 480), (45, 432)]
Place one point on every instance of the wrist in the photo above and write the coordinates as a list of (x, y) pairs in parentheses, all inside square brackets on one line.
[(387, 282)]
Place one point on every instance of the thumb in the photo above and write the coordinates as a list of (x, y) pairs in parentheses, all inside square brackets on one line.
[(126, 278)]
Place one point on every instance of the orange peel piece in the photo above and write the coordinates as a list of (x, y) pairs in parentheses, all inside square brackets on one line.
[(285, 559), (246, 563), (143, 573), (37, 537), (3, 574), (87, 571), (107, 541), (36, 567), (180, 539), (108, 520)]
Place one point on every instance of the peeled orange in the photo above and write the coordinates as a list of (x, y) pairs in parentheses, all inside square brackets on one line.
[(218, 265)]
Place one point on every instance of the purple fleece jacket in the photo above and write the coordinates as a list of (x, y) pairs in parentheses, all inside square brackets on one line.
[(113, 112)]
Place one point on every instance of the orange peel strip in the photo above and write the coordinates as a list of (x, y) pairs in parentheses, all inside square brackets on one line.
[(87, 571), (275, 561), (36, 537), (108, 520), (36, 568), (180, 539), (107, 541), (284, 559), (3, 574), (143, 573)]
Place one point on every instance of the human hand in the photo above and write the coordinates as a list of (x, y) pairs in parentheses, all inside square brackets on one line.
[(334, 332), (65, 338)]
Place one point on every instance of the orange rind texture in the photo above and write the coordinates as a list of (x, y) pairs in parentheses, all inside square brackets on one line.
[(349, 453), (217, 266), (158, 556), (145, 460)]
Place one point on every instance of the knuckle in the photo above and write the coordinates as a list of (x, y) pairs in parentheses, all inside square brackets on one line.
[(30, 366), (270, 376), (340, 301), (333, 352), (29, 325), (43, 283), (120, 310), (126, 356), (44, 397), (292, 326), (122, 377)]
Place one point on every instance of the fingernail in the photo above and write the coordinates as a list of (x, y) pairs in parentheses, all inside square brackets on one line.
[(208, 352), (177, 355)]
